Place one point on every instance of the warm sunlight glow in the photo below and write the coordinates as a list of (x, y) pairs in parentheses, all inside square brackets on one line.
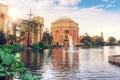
[(13, 12)]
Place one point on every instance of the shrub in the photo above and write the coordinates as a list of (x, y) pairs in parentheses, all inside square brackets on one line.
[(10, 64), (42, 45), (29, 77), (35, 46)]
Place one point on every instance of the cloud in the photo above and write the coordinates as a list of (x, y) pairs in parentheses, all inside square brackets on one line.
[(111, 4), (69, 2), (108, 6), (113, 1), (98, 6), (93, 20), (106, 0)]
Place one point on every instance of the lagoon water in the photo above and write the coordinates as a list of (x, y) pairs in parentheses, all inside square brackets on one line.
[(87, 64)]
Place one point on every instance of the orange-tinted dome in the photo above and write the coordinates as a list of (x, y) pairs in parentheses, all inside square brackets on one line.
[(65, 19)]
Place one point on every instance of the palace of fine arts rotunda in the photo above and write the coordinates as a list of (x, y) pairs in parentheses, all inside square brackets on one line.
[(62, 29)]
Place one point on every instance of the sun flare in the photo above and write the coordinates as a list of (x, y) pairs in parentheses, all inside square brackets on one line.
[(13, 12)]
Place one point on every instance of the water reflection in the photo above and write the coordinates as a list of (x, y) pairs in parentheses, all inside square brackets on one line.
[(61, 59), (85, 64), (32, 60)]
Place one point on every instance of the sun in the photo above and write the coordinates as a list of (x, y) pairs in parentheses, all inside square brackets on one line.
[(13, 12)]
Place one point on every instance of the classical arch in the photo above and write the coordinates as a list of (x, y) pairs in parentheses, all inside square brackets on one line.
[(56, 37), (66, 35)]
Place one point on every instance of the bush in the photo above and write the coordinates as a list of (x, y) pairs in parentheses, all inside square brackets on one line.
[(42, 45), (12, 48), (47, 46), (10, 64), (18, 46), (29, 77), (52, 45), (35, 45)]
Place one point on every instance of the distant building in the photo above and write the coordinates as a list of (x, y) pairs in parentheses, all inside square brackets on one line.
[(4, 18), (62, 29)]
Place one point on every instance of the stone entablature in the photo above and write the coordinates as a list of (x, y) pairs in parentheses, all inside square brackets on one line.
[(3, 8), (62, 29)]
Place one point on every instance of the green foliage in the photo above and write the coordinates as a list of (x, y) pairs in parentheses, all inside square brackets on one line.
[(47, 46), (10, 64), (94, 41), (3, 40), (35, 45), (29, 77), (87, 43), (111, 41), (18, 46), (97, 41), (12, 48), (47, 38), (52, 45), (29, 26), (42, 45), (87, 40)]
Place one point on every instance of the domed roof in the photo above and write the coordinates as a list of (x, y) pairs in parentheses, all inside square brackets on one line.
[(65, 19)]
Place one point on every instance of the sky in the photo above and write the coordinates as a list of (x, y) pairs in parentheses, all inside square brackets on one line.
[(93, 16)]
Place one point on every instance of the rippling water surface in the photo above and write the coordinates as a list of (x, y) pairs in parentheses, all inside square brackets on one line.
[(83, 64)]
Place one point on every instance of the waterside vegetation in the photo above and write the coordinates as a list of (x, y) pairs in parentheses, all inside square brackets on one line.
[(10, 64), (96, 41)]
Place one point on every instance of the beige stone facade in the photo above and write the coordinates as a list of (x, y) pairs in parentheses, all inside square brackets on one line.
[(38, 37), (62, 29), (4, 18)]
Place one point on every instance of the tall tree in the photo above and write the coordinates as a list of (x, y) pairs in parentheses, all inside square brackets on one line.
[(28, 27)]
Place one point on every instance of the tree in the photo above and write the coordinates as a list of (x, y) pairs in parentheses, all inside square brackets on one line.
[(47, 38), (3, 40), (111, 41), (92, 41), (28, 27), (97, 41), (118, 42), (86, 40)]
